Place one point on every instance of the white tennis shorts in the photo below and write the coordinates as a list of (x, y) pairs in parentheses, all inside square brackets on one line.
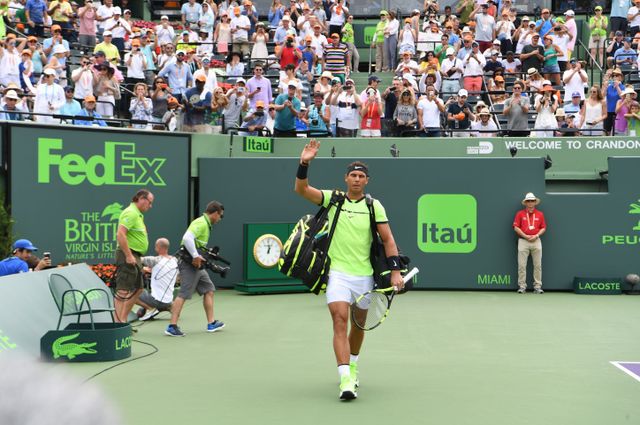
[(344, 287)]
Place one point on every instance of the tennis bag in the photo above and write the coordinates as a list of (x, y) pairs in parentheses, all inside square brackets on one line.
[(305, 254), (378, 257)]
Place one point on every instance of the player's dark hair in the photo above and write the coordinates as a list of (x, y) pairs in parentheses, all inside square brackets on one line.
[(358, 165), (141, 194), (214, 206)]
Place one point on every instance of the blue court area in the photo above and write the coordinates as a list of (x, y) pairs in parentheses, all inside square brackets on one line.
[(442, 357)]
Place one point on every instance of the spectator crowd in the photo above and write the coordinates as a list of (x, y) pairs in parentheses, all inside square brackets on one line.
[(475, 68)]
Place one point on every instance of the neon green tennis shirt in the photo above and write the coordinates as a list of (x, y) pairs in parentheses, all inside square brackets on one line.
[(133, 220), (351, 244), (201, 229)]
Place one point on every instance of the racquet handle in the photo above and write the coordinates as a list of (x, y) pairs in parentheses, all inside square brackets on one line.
[(414, 271)]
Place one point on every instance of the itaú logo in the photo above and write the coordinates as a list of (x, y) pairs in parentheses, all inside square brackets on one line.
[(447, 223), (628, 239), (119, 165)]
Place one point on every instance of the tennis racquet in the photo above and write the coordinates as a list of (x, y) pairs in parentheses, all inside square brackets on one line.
[(372, 307)]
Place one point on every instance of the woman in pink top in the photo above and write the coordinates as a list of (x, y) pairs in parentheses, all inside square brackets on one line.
[(623, 107), (87, 30)]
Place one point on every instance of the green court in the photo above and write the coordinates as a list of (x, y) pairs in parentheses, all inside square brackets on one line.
[(440, 358)]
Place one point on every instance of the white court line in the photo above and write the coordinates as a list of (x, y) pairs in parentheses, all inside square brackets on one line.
[(625, 370)]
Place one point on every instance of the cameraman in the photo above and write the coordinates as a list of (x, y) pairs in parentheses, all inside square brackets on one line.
[(22, 249), (255, 121), (193, 276)]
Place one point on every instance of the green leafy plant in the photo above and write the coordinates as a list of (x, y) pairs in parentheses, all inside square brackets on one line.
[(6, 229)]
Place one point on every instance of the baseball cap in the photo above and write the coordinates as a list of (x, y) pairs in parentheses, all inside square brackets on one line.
[(496, 42), (463, 92), (570, 13), (293, 84), (451, 51), (576, 94), (117, 10), (172, 101), (260, 104), (107, 34), (89, 98), (49, 71), (241, 80), (335, 35), (597, 8), (349, 81), (181, 52), (68, 89), (619, 33), (24, 244), (164, 17), (202, 78), (499, 78), (525, 18), (373, 78), (383, 12), (99, 53)]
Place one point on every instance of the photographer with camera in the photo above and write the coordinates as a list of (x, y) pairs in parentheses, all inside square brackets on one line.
[(287, 107), (193, 276), (255, 121), (318, 116)]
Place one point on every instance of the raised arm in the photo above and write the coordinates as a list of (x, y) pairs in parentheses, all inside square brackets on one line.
[(302, 187)]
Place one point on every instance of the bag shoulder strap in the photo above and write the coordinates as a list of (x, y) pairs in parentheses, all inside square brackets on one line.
[(372, 216), (337, 200)]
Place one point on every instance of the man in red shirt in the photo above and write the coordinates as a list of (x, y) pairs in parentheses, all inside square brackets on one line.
[(529, 225), (288, 54)]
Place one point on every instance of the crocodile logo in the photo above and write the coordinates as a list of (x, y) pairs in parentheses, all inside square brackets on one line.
[(71, 350)]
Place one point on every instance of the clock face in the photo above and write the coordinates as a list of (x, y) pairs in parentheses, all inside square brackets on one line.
[(266, 250)]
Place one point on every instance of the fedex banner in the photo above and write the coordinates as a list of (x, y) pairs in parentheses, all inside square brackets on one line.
[(69, 186)]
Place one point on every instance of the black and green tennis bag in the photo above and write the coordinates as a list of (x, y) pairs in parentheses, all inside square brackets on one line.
[(378, 257), (305, 254)]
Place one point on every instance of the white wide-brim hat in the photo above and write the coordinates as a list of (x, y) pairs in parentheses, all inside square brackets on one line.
[(530, 197)]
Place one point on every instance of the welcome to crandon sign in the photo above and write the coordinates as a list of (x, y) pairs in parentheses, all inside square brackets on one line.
[(68, 187)]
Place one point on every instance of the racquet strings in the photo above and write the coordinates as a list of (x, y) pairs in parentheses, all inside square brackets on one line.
[(378, 304)]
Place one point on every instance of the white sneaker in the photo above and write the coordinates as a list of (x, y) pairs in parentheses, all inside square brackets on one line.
[(150, 314)]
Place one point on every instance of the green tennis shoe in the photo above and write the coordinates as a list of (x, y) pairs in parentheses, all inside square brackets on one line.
[(347, 388), (353, 368)]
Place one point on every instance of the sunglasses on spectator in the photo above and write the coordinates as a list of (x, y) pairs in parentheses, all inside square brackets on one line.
[(517, 88)]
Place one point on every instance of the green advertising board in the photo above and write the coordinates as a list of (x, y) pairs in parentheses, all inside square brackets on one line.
[(68, 187), (452, 216), (574, 158)]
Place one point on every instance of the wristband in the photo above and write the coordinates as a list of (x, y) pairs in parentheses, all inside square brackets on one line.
[(393, 262), (302, 171)]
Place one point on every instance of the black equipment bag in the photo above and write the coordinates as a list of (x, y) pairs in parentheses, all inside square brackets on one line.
[(305, 253), (378, 257)]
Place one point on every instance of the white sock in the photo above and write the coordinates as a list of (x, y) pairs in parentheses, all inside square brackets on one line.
[(353, 358), (343, 370)]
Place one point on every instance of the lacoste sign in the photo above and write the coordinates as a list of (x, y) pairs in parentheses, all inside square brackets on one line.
[(119, 165)]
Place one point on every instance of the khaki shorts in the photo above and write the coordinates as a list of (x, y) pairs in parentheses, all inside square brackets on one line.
[(593, 43), (128, 276)]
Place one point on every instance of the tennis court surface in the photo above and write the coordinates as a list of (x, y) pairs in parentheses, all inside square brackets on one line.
[(440, 358)]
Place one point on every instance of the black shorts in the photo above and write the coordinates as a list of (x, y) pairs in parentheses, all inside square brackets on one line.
[(618, 24), (608, 122)]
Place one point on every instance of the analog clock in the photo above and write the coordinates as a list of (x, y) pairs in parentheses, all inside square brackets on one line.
[(266, 250)]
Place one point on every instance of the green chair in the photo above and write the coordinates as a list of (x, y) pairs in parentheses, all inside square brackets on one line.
[(74, 302)]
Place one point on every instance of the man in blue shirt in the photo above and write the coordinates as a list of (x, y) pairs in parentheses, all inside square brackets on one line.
[(544, 25), (89, 110), (178, 75), (11, 112), (197, 107), (254, 121), (614, 93), (287, 107), (71, 107), (625, 56), (35, 11), (618, 21), (22, 249)]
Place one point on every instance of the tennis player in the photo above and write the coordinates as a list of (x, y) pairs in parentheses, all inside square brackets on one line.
[(351, 273)]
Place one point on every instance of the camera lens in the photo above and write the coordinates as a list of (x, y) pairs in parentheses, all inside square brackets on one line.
[(314, 122)]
